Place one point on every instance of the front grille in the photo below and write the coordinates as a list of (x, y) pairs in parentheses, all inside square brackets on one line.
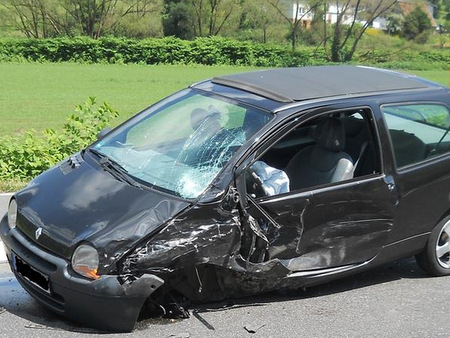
[(36, 260)]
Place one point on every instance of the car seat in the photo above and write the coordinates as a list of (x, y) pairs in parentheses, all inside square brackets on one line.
[(323, 162), (408, 148)]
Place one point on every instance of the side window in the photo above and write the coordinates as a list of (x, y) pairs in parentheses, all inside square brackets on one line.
[(328, 148), (418, 131)]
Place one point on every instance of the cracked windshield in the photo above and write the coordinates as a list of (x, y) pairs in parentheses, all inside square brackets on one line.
[(180, 144)]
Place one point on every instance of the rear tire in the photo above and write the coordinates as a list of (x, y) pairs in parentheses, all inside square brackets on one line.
[(435, 258)]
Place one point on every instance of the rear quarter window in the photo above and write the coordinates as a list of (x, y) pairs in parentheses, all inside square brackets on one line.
[(417, 131)]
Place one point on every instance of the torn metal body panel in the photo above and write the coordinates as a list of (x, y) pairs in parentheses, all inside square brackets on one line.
[(332, 227), (206, 237), (203, 257), (308, 234), (90, 205), (236, 186)]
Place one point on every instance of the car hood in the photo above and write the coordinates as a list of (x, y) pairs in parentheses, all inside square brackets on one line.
[(77, 201)]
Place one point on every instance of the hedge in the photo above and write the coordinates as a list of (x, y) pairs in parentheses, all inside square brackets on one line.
[(208, 51)]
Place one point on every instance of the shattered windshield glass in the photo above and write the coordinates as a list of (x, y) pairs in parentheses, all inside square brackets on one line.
[(181, 144)]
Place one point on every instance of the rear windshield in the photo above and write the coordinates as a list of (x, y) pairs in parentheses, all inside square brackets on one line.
[(183, 142)]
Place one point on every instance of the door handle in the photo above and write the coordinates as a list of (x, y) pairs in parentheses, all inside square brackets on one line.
[(390, 184)]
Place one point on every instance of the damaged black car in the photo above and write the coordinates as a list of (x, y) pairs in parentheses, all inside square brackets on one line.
[(242, 184)]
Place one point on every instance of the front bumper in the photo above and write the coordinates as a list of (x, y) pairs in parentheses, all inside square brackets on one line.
[(104, 303)]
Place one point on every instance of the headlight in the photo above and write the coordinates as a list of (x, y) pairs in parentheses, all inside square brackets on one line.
[(85, 261), (12, 214)]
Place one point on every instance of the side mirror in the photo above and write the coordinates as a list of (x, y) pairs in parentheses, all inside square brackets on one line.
[(102, 133)]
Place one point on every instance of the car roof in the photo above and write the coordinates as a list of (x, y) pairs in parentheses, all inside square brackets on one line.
[(305, 83)]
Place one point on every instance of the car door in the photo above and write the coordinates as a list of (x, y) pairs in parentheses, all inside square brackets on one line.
[(419, 161), (322, 224)]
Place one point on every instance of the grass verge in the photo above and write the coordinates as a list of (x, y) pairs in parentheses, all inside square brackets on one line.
[(11, 185)]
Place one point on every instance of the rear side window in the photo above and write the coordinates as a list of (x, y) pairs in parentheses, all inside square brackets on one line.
[(417, 131)]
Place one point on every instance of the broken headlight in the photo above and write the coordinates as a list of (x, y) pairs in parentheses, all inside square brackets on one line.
[(12, 214), (85, 261)]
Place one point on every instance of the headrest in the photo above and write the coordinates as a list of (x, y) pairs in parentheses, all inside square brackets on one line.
[(330, 134), (198, 115), (352, 126), (210, 118)]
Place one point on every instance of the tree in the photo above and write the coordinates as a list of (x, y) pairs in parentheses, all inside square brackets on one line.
[(211, 15), (437, 7), (177, 19), (257, 19), (346, 36), (394, 23), (93, 17), (90, 15), (219, 12), (295, 15), (191, 18), (316, 35), (137, 18), (446, 5), (417, 26), (35, 18)]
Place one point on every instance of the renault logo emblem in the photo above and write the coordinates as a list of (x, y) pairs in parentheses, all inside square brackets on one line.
[(38, 233)]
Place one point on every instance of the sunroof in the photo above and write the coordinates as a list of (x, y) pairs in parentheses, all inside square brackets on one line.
[(298, 84)]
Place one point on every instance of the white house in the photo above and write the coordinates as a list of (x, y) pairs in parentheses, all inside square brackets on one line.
[(301, 11)]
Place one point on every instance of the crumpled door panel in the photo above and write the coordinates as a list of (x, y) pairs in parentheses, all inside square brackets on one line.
[(231, 248)]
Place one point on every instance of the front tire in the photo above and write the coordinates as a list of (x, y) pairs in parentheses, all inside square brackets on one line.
[(435, 258)]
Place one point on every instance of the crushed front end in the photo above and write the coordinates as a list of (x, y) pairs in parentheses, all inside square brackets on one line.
[(106, 303)]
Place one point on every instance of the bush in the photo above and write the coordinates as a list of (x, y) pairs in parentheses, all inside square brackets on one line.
[(208, 51), (25, 156), (417, 26), (169, 50)]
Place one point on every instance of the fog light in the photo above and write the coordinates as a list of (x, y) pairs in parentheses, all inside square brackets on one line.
[(85, 261), (12, 214)]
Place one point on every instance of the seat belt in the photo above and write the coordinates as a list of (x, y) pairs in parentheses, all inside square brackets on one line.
[(363, 149)]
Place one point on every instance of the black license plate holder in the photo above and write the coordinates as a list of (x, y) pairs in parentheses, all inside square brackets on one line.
[(32, 275)]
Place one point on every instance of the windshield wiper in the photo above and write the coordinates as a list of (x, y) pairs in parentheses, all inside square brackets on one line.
[(96, 152), (114, 168)]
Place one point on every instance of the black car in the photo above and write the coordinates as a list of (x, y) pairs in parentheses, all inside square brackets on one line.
[(243, 184)]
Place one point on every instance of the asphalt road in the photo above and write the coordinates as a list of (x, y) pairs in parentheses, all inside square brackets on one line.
[(395, 300), (4, 199)]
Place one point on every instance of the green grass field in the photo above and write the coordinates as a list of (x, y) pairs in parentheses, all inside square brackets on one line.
[(439, 76), (41, 96)]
